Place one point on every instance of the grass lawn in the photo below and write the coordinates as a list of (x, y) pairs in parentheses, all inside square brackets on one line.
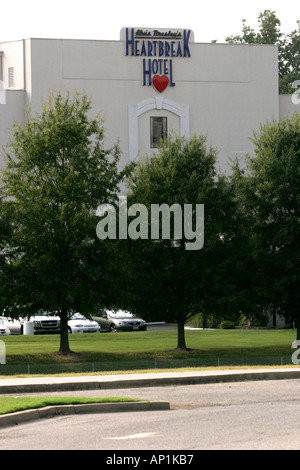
[(13, 404), (112, 350)]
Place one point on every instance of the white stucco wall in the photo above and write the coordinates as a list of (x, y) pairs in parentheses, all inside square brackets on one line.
[(222, 90), (12, 56), (11, 110)]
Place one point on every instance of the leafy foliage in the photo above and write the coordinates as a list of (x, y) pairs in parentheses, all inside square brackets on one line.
[(288, 46), (167, 280), (57, 173), (269, 190)]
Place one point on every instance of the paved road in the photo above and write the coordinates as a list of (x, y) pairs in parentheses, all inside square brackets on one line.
[(242, 415)]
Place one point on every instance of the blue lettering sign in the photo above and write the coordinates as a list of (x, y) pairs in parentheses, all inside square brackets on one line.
[(147, 72), (159, 52), (179, 51), (143, 50), (186, 37), (157, 67), (129, 42), (154, 48)]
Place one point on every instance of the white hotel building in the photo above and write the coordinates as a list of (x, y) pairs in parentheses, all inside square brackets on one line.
[(147, 84)]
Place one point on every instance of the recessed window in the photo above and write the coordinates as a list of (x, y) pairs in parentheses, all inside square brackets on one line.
[(158, 131), (11, 77)]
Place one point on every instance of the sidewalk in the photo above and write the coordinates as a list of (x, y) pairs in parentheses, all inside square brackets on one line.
[(94, 382), (98, 382)]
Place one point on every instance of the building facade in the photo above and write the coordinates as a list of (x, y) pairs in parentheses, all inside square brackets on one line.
[(149, 84)]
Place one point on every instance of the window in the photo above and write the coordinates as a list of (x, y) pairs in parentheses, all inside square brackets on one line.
[(158, 131), (11, 77)]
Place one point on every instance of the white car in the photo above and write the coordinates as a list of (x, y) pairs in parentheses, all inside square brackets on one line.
[(14, 326), (80, 324), (4, 330)]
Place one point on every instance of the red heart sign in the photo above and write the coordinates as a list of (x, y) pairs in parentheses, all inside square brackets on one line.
[(160, 82)]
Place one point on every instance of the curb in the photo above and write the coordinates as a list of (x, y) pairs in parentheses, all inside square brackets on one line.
[(154, 381), (62, 410)]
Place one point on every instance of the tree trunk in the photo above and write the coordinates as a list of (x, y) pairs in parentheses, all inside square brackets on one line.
[(64, 348), (180, 335), (298, 328)]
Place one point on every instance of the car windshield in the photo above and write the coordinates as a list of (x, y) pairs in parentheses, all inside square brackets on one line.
[(77, 316), (41, 313), (120, 314)]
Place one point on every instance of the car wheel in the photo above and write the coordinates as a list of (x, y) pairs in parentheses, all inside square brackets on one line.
[(69, 330), (113, 328)]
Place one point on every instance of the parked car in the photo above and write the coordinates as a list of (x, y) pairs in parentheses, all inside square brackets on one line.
[(119, 320), (43, 323), (13, 325), (79, 324), (4, 330)]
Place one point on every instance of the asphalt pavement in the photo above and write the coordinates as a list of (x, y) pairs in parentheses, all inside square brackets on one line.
[(21, 386)]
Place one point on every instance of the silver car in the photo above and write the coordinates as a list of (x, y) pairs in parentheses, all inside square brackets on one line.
[(120, 320)]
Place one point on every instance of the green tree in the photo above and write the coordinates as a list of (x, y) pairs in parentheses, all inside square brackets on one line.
[(165, 278), (57, 173), (269, 191), (4, 266), (288, 46), (269, 31), (289, 60)]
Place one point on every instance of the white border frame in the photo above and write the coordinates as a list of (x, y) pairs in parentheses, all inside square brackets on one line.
[(158, 102)]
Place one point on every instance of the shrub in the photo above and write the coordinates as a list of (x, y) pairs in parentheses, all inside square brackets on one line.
[(227, 325)]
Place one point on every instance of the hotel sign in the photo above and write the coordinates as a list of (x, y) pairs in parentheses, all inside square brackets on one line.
[(157, 49)]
